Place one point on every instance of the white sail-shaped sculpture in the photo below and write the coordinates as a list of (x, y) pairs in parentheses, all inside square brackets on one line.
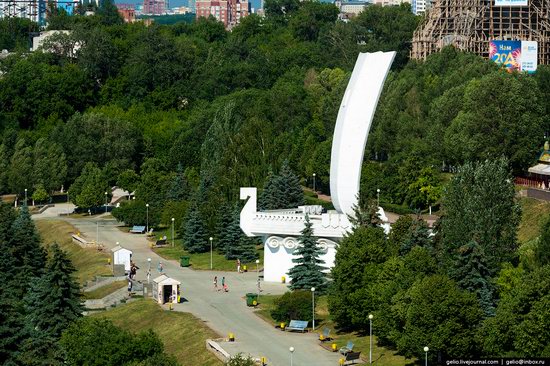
[(353, 125), (280, 228)]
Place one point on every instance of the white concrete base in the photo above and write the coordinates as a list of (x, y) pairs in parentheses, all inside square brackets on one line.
[(279, 252)]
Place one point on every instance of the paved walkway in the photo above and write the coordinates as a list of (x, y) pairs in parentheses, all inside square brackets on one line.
[(223, 312)]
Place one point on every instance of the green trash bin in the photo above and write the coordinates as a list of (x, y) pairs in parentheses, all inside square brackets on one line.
[(184, 261), (251, 299)]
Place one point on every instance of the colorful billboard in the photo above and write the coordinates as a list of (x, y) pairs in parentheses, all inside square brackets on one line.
[(511, 2), (514, 55)]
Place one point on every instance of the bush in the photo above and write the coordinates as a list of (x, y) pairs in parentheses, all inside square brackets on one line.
[(294, 305), (240, 360)]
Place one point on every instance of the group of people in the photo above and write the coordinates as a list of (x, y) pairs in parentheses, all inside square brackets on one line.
[(223, 288)]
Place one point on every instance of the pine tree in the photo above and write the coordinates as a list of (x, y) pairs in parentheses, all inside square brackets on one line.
[(417, 235), (54, 301), (308, 270), (195, 239), (471, 273), (11, 326)]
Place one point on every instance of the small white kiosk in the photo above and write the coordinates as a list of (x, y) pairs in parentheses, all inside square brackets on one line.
[(166, 289), (122, 256)]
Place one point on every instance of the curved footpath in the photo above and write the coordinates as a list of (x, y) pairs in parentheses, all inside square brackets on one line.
[(223, 312)]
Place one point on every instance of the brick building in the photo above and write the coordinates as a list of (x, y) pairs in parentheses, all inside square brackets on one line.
[(229, 12)]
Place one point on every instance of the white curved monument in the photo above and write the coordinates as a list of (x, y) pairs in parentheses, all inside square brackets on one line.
[(280, 228)]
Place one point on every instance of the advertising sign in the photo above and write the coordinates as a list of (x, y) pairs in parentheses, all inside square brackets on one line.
[(511, 2), (514, 55)]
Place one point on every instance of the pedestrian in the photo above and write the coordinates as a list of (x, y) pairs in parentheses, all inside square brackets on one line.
[(148, 275), (160, 269), (216, 283), (238, 265), (223, 282), (225, 289)]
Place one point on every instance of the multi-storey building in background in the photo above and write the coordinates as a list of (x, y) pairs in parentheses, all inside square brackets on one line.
[(155, 7), (229, 12)]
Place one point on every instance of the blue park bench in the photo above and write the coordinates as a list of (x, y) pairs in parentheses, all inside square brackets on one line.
[(138, 229), (297, 325), (347, 349)]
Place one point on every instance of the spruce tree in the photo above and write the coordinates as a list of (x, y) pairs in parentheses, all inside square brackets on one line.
[(28, 254), (12, 332), (308, 270), (179, 188), (290, 192), (234, 236), (417, 235), (54, 300), (365, 215), (471, 273), (195, 239), (266, 201), (225, 218)]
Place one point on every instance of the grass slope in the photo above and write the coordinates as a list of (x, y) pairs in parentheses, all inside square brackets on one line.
[(533, 215), (183, 335), (380, 356), (104, 290), (87, 261)]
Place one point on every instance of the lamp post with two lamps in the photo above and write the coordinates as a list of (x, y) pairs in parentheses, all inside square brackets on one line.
[(211, 238)]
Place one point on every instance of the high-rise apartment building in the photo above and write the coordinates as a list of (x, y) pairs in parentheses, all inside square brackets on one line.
[(155, 7), (229, 12)]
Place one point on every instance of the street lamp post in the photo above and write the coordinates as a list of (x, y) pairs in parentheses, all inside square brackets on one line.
[(105, 202), (378, 197), (291, 349), (25, 196), (211, 238), (258, 276), (314, 181), (426, 349), (313, 306), (370, 338), (173, 231), (147, 208)]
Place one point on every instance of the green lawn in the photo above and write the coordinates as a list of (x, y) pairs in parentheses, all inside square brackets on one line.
[(104, 290), (380, 355), (87, 261), (533, 215), (199, 261), (183, 334)]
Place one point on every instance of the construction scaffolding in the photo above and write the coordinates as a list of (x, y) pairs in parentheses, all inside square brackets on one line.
[(31, 9), (470, 25)]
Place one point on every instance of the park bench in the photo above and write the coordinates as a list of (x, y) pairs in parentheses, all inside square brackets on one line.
[(347, 349), (325, 336), (160, 243), (352, 356), (297, 325), (137, 229)]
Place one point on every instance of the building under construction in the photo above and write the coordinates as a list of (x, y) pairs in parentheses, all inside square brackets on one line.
[(470, 25)]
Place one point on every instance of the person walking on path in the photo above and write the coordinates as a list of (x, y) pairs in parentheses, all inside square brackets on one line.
[(224, 285), (238, 265), (159, 267), (216, 283)]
